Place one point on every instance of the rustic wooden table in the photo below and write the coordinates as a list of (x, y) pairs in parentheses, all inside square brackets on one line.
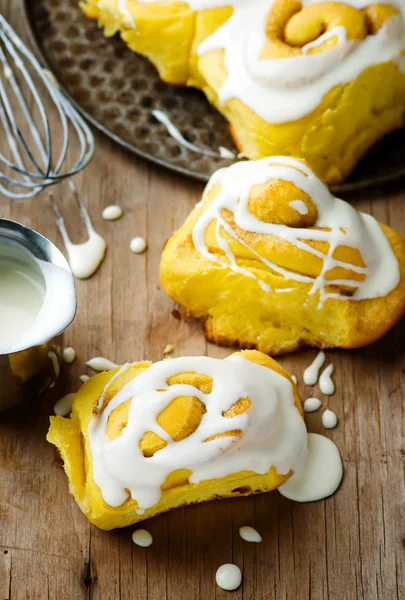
[(349, 546)]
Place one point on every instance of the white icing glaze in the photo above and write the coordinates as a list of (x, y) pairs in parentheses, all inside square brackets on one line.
[(38, 301), (69, 355), (142, 538), (112, 212), (286, 89), (176, 135), (63, 407), (311, 373), (225, 152), (299, 206), (85, 258), (326, 384), (228, 577), (84, 378), (338, 224), (320, 474), (55, 363), (329, 419), (294, 378), (138, 245), (249, 534), (99, 363), (312, 404), (273, 431)]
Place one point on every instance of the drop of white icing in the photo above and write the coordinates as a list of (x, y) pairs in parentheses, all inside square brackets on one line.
[(312, 404), (228, 577), (99, 363), (294, 378), (112, 212), (63, 406), (138, 245), (84, 378), (320, 473), (249, 534), (299, 206), (143, 538), (225, 153), (69, 355), (329, 419), (326, 384), (311, 373)]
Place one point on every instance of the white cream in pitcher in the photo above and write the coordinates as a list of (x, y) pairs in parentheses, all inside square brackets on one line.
[(22, 292)]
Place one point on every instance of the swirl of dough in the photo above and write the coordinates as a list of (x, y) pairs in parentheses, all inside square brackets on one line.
[(315, 38)]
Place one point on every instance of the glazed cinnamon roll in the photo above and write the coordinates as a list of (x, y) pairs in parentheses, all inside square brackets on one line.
[(321, 80), (270, 259), (146, 438)]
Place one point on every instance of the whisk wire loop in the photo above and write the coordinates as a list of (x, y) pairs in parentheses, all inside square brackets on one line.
[(31, 166)]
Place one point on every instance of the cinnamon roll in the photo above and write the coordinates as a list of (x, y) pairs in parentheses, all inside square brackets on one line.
[(146, 438), (270, 259), (320, 80)]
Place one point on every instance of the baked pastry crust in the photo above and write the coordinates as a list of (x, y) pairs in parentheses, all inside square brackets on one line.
[(361, 108), (269, 307), (179, 419)]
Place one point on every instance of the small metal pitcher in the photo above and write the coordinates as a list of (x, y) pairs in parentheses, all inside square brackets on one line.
[(31, 363)]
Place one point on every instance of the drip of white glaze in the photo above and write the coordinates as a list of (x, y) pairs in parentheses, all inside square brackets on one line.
[(85, 259), (329, 419), (225, 152), (286, 89), (320, 473), (123, 8), (312, 404), (69, 355), (63, 407), (299, 206), (249, 534), (176, 135), (311, 373), (272, 430), (338, 224), (112, 212), (99, 363), (142, 538), (55, 363), (138, 245), (326, 384), (228, 577), (84, 378), (294, 378)]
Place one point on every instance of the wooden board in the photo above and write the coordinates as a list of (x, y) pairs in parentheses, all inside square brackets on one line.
[(351, 546)]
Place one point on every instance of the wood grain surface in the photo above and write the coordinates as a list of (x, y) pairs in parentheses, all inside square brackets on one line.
[(351, 546)]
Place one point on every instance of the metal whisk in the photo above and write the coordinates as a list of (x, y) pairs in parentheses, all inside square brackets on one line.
[(35, 160)]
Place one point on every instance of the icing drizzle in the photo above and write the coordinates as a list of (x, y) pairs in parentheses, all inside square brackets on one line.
[(272, 430), (338, 224)]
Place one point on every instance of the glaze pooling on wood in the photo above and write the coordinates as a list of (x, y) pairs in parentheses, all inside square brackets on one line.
[(319, 474), (338, 224)]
